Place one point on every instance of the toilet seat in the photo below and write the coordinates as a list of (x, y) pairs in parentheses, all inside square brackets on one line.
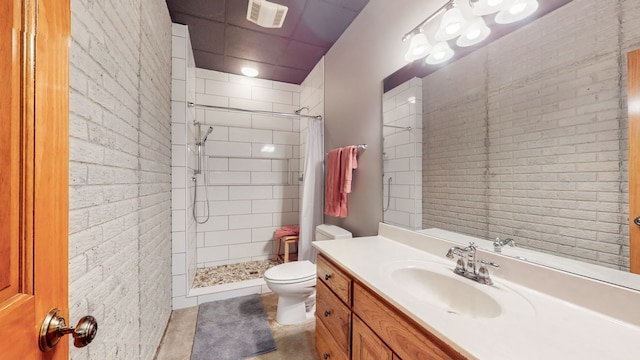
[(291, 272)]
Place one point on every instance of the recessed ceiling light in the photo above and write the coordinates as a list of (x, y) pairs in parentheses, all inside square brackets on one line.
[(249, 71)]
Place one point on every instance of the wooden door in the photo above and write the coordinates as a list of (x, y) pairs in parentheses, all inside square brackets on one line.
[(34, 110), (633, 101)]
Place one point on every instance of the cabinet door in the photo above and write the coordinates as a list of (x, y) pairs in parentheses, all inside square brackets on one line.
[(366, 345)]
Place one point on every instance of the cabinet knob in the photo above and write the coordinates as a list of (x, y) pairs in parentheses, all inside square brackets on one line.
[(327, 277), (326, 356), (327, 313)]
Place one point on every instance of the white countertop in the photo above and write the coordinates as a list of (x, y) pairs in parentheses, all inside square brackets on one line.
[(545, 327)]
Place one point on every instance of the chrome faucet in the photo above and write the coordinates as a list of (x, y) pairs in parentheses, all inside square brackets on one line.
[(499, 243), (467, 264)]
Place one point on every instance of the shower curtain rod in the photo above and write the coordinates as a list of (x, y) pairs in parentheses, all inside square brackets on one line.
[(408, 128), (319, 117)]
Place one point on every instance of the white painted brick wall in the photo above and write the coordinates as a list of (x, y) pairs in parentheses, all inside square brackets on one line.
[(531, 141), (119, 243)]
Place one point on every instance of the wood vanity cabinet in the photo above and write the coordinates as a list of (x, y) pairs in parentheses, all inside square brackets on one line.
[(352, 322)]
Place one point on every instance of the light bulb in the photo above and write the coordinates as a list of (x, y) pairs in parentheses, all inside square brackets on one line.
[(486, 7), (476, 32), (418, 47), (440, 53), (516, 10), (451, 25)]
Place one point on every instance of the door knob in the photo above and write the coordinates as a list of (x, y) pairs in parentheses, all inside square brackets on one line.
[(637, 221), (54, 327)]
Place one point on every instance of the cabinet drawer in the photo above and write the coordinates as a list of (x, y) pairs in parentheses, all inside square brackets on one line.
[(404, 337), (326, 346), (335, 279), (335, 316)]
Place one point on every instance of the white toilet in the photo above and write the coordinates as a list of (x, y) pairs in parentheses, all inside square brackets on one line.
[(295, 282)]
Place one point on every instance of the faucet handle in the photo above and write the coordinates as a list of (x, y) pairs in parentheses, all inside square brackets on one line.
[(489, 263), (483, 273)]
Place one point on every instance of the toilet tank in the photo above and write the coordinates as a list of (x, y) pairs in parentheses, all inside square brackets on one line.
[(331, 232)]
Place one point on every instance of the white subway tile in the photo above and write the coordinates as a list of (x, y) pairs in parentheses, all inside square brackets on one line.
[(249, 221), (258, 178), (228, 149), (286, 138), (218, 238), (271, 206), (263, 234), (231, 207), (178, 220), (179, 264), (215, 253), (178, 90), (178, 47), (250, 192), (259, 150), (179, 69), (249, 164), (229, 177), (218, 193)]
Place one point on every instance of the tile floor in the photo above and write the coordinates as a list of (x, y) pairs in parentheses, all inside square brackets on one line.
[(292, 341)]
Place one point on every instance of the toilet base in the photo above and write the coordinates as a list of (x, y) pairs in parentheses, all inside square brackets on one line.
[(295, 309)]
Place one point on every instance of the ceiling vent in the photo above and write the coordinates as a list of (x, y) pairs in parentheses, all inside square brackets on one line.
[(266, 14)]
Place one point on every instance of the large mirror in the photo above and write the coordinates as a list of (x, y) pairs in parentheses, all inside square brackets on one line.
[(525, 138)]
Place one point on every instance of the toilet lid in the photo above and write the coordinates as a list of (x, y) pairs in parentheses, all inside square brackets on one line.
[(295, 270)]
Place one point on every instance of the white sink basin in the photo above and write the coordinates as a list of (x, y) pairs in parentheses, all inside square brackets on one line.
[(436, 285)]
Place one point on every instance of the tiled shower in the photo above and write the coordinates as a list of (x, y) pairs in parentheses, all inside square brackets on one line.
[(402, 155), (252, 167)]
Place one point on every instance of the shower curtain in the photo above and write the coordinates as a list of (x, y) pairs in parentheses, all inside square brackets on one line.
[(312, 190)]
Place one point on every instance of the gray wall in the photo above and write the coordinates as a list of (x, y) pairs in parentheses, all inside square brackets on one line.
[(120, 158), (370, 50)]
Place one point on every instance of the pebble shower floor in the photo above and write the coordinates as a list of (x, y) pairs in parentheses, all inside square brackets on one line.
[(230, 273)]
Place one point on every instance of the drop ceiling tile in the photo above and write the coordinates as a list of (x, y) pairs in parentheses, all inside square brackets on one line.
[(355, 5), (207, 60), (251, 45), (205, 35), (323, 23), (208, 9), (289, 75), (302, 56)]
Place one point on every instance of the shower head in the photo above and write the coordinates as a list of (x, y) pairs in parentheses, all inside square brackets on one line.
[(300, 110), (209, 130)]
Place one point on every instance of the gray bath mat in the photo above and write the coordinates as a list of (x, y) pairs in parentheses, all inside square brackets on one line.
[(232, 329)]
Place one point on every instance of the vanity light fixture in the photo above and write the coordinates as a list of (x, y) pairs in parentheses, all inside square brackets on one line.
[(463, 21)]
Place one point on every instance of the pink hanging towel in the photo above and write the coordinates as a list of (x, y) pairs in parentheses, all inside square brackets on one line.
[(349, 162), (333, 183)]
